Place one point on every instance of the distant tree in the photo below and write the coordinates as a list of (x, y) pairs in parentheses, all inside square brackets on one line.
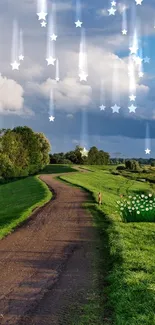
[(93, 156)]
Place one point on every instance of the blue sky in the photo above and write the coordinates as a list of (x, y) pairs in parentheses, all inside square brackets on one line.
[(24, 95)]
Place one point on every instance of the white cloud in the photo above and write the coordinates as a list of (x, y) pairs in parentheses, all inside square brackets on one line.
[(11, 98)]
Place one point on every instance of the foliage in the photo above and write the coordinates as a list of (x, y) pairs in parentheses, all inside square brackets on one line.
[(22, 152), (138, 208), (132, 165), (120, 167)]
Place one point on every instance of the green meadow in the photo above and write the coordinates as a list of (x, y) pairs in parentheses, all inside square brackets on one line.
[(124, 272)]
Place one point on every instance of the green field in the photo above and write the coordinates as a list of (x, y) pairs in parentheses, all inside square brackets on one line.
[(20, 197), (125, 263)]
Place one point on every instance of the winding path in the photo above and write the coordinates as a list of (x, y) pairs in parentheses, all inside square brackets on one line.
[(46, 264)]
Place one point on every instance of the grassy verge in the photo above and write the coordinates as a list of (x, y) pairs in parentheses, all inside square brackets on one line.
[(124, 264), (17, 201)]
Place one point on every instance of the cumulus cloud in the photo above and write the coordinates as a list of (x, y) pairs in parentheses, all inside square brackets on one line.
[(11, 98), (71, 95)]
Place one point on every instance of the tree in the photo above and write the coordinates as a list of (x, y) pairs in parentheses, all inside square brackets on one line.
[(93, 156)]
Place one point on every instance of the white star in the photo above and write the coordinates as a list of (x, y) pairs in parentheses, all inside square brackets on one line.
[(115, 108), (138, 2), (113, 3), (15, 65), (57, 79), (84, 152), (124, 31), (21, 57), (43, 24), (138, 60), (147, 151), (83, 76), (141, 74), (132, 98), (102, 107), (132, 108), (111, 11), (51, 118), (78, 23), (53, 37), (42, 15), (50, 60), (146, 60), (133, 49)]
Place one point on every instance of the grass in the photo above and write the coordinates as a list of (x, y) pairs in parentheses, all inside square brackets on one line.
[(124, 264), (17, 201), (19, 198)]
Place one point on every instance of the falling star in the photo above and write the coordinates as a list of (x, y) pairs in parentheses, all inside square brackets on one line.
[(112, 11), (102, 107), (21, 50), (57, 71), (83, 70), (138, 60), (146, 60), (50, 60), (52, 23), (115, 87), (51, 107), (132, 108), (83, 76), (50, 52), (124, 31), (14, 55), (78, 21), (84, 130), (134, 48), (102, 96), (147, 140), (115, 108), (15, 65), (84, 152), (132, 98), (132, 79), (42, 9), (51, 118), (43, 24), (124, 21), (138, 2), (53, 37), (21, 57), (113, 3)]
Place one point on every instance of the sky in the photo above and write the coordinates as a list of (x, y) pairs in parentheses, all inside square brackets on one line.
[(25, 94)]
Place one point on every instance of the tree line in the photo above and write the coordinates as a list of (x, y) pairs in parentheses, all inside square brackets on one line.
[(95, 157), (22, 152)]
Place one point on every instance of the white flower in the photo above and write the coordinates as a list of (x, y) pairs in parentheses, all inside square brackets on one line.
[(150, 208), (118, 202), (130, 196), (129, 207), (128, 202), (150, 195), (122, 209), (133, 202), (136, 208), (133, 208), (151, 201), (138, 212), (141, 206), (146, 197), (134, 197), (146, 209), (142, 195), (137, 201), (122, 204)]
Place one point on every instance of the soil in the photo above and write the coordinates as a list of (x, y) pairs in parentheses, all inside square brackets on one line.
[(46, 264)]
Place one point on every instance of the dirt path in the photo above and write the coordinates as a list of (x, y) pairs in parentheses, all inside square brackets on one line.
[(45, 265)]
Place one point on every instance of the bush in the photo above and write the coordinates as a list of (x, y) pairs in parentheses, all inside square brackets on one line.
[(122, 167)]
